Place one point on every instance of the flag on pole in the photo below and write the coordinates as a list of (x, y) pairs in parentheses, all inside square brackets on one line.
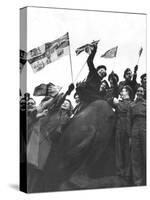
[(111, 53), (49, 52), (49, 89), (87, 48), (140, 51), (23, 59)]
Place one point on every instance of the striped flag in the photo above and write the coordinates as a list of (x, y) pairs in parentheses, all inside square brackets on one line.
[(87, 48), (49, 52), (49, 89), (111, 53)]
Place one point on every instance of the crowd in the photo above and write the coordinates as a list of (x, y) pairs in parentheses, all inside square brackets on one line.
[(128, 101)]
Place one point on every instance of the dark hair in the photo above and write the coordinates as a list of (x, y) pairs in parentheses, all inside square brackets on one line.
[(104, 81), (100, 67), (71, 107), (125, 72), (142, 76), (129, 89), (111, 77)]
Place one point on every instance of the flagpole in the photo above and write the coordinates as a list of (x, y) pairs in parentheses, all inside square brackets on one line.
[(70, 60), (80, 71)]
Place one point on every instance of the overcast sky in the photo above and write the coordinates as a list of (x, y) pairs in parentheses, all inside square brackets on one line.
[(127, 31)]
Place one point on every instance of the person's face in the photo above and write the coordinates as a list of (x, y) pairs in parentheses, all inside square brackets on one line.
[(128, 75), (144, 82), (124, 93), (111, 82), (66, 105), (102, 72), (102, 87), (140, 93), (77, 100)]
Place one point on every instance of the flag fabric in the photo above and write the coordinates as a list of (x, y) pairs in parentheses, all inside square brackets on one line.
[(140, 51), (111, 53), (49, 52), (23, 59), (87, 48), (47, 90)]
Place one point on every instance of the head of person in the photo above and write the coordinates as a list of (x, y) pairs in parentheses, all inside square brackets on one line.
[(31, 103), (126, 92), (111, 77), (104, 86), (101, 70), (27, 102), (77, 98), (140, 93), (67, 106), (127, 74), (143, 80)]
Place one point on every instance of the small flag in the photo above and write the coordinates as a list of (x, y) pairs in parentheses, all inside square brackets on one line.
[(87, 48), (49, 52), (49, 89), (111, 53), (140, 52), (23, 59)]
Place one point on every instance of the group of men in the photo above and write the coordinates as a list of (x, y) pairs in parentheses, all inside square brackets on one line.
[(128, 101)]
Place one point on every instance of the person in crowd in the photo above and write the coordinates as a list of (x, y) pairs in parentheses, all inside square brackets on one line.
[(130, 79), (47, 130), (123, 132), (113, 90), (103, 89), (89, 90), (143, 84), (137, 115)]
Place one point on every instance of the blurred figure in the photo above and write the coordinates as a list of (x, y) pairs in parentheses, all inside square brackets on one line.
[(113, 79), (89, 90), (143, 84), (103, 89), (137, 115), (123, 132), (130, 79)]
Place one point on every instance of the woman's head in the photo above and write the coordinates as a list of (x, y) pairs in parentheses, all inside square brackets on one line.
[(67, 105), (126, 92), (140, 92), (104, 86)]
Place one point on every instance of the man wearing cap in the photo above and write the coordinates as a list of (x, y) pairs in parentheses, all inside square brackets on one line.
[(143, 84), (89, 90), (130, 79)]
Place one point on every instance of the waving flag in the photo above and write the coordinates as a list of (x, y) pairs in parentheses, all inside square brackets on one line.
[(49, 52), (47, 90), (111, 53), (87, 48)]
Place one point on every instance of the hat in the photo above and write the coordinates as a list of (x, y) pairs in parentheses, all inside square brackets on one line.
[(113, 75), (126, 71), (143, 76), (100, 67)]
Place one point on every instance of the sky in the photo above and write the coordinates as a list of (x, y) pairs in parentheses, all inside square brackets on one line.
[(127, 31)]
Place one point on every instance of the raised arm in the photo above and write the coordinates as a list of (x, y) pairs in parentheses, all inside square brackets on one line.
[(135, 73), (91, 58)]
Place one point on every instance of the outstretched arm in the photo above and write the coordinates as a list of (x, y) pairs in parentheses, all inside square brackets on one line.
[(135, 73), (91, 57)]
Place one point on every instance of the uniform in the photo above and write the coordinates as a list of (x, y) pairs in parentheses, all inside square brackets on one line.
[(138, 146), (122, 138)]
